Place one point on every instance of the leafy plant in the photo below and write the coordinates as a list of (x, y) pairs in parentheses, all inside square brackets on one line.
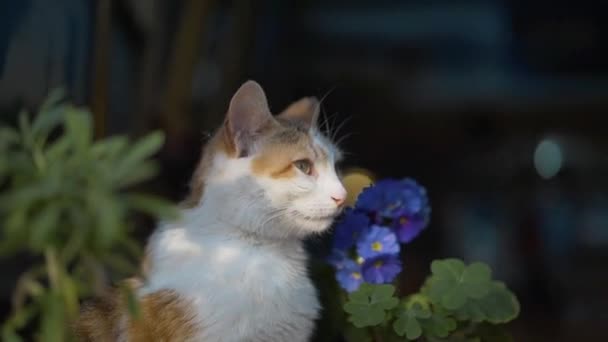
[(457, 302), (65, 204)]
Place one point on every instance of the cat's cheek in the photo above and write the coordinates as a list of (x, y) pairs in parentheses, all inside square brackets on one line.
[(288, 192)]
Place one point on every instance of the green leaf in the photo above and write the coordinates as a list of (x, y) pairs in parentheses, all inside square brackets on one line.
[(53, 318), (109, 147), (9, 335), (452, 283), (498, 306), (25, 127), (52, 100), (70, 295), (79, 128), (20, 317), (15, 236), (143, 149), (119, 264), (109, 217), (418, 311), (470, 312), (58, 150), (367, 306), (51, 114), (477, 277), (407, 325), (438, 325), (8, 137), (43, 226), (132, 302), (152, 205), (453, 267), (25, 196), (407, 319), (140, 173)]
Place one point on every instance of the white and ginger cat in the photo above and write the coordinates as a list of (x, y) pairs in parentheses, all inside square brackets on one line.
[(233, 268)]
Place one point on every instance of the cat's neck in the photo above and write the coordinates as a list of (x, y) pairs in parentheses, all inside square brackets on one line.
[(206, 219)]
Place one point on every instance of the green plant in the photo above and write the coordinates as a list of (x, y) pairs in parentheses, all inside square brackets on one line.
[(66, 203), (457, 302)]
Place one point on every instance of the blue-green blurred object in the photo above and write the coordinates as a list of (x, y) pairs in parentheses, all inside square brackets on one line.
[(66, 201)]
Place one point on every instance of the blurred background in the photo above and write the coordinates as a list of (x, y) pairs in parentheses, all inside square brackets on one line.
[(497, 107)]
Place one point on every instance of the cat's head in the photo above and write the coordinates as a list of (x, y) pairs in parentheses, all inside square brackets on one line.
[(270, 175)]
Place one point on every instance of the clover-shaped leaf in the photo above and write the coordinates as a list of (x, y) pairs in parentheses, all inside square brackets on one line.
[(453, 283), (477, 277), (499, 305), (367, 306), (470, 312), (438, 325), (408, 326), (407, 322)]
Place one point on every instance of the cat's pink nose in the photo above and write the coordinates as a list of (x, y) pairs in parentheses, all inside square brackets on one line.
[(339, 199)]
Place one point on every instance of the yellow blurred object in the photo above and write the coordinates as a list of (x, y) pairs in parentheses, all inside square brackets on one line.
[(355, 180)]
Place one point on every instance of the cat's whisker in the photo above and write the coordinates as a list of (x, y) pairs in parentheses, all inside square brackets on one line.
[(343, 138), (327, 94), (320, 105), (332, 129), (274, 214), (340, 126), (326, 127)]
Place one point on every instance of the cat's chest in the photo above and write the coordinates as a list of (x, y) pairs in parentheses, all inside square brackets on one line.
[(242, 291)]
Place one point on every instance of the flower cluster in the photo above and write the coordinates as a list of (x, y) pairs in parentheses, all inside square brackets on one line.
[(368, 239)]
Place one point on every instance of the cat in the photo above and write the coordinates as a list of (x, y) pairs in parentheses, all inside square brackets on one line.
[(233, 267)]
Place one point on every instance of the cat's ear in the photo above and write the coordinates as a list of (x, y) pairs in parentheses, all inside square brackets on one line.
[(305, 111), (248, 114)]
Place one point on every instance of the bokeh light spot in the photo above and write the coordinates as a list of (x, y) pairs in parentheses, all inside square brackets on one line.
[(548, 158), (355, 180)]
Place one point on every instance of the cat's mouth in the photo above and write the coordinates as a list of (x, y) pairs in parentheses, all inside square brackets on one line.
[(325, 217), (317, 221)]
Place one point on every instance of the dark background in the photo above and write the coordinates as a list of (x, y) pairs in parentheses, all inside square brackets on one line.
[(457, 94)]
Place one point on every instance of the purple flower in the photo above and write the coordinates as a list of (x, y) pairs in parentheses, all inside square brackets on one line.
[(349, 276), (349, 229), (377, 241), (373, 198), (392, 199), (407, 228), (386, 214), (337, 259), (381, 270)]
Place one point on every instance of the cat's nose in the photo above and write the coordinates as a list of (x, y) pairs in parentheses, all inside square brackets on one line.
[(339, 200), (339, 197)]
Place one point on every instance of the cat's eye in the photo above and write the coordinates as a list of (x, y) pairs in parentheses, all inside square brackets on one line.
[(304, 165)]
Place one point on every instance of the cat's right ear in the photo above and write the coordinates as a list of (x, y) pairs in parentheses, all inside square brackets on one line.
[(248, 114)]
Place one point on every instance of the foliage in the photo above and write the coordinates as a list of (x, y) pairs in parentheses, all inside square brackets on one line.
[(367, 306), (65, 204), (457, 302)]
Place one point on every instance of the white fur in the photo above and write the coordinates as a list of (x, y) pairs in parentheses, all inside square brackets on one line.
[(238, 256)]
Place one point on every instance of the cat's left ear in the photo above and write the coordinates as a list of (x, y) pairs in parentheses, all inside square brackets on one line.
[(247, 116), (304, 111)]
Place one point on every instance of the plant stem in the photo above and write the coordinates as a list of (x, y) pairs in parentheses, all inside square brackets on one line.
[(376, 334)]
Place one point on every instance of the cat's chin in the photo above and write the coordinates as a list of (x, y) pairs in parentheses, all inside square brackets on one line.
[(314, 225)]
